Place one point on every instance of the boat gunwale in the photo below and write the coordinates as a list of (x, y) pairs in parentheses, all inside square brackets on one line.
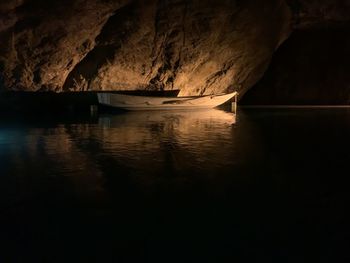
[(130, 102), (180, 97)]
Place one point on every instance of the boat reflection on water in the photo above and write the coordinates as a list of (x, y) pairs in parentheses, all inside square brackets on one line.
[(184, 119), (183, 126), (170, 138)]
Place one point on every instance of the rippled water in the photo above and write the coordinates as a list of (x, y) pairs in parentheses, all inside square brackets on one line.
[(205, 186)]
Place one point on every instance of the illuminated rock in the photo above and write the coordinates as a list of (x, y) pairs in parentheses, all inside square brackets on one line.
[(200, 47)]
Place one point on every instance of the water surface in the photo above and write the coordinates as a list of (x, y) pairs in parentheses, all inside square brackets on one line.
[(205, 186)]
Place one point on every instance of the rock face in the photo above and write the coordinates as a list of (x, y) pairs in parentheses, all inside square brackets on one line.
[(312, 67), (317, 13), (200, 47), (42, 41)]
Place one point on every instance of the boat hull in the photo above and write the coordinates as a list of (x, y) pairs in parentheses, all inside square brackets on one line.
[(128, 102)]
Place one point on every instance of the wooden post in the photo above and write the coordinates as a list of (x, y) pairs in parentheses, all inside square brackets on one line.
[(234, 104), (93, 110)]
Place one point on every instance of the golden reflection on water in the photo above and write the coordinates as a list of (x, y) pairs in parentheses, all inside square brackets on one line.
[(185, 127), (142, 146), (196, 132), (181, 143)]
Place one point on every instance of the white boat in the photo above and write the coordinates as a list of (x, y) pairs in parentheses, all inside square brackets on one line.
[(131, 102)]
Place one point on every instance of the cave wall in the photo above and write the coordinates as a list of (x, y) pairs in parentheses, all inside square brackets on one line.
[(318, 13), (42, 41), (312, 66), (200, 47)]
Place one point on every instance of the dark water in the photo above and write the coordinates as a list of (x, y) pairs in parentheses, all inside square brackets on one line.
[(267, 186)]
